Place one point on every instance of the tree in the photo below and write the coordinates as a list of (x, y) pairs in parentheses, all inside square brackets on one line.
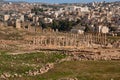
[(65, 25), (87, 29), (42, 24), (37, 10), (55, 25)]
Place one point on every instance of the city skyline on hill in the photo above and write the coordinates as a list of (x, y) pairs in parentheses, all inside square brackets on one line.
[(64, 1)]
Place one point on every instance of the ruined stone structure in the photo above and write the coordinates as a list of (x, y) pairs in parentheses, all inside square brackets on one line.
[(67, 40), (50, 39)]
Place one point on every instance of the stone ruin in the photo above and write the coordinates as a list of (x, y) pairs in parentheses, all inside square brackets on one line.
[(58, 40), (50, 39)]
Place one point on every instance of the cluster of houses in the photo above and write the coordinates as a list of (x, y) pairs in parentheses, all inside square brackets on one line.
[(99, 17)]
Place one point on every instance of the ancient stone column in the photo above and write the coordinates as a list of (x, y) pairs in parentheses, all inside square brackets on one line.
[(45, 41), (40, 40), (62, 41), (53, 41), (50, 41), (58, 42), (66, 41), (105, 39), (95, 36), (34, 41), (100, 38)]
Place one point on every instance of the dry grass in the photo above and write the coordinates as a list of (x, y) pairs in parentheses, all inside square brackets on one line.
[(83, 70)]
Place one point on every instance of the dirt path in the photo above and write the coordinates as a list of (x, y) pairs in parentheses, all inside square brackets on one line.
[(75, 51)]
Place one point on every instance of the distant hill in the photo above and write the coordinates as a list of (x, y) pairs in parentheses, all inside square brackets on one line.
[(12, 1)]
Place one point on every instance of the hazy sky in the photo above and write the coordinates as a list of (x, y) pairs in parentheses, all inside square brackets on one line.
[(64, 1)]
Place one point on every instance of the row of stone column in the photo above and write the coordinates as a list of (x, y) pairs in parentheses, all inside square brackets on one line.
[(100, 39), (70, 40), (58, 41)]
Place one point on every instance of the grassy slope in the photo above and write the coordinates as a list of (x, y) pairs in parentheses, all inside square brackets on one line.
[(83, 70), (24, 62)]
